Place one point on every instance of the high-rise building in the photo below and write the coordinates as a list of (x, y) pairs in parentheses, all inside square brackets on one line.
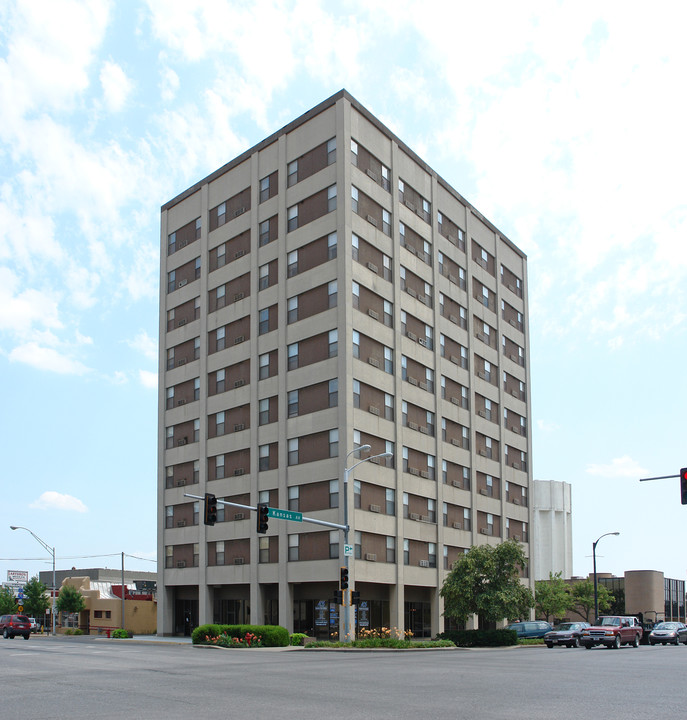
[(323, 291)]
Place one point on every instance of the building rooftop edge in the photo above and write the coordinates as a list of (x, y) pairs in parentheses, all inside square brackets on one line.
[(313, 112)]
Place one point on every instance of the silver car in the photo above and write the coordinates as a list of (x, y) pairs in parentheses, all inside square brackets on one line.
[(668, 632)]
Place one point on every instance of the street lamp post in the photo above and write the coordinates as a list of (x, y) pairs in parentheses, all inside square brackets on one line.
[(347, 471), (596, 587), (51, 550)]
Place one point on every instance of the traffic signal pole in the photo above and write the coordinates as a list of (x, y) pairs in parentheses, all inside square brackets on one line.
[(683, 483), (303, 518)]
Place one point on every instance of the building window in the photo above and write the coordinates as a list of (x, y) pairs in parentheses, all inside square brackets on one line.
[(264, 233), (292, 354), (388, 406), (292, 403), (432, 554), (333, 544), (263, 549), (356, 344), (334, 392), (356, 295), (356, 393), (219, 467), (354, 200), (219, 423), (293, 547), (390, 549), (264, 457), (331, 151), (331, 198), (292, 173), (333, 443), (333, 493), (467, 519), (219, 552), (264, 366), (390, 501), (169, 516), (332, 293), (264, 277), (388, 360), (292, 309), (264, 321), (220, 341), (292, 263), (292, 218), (406, 552), (386, 222), (357, 497), (333, 340), (331, 246), (293, 451), (358, 541), (294, 498), (264, 411)]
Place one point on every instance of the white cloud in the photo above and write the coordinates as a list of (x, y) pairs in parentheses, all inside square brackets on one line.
[(622, 467), (51, 500), (22, 310), (547, 426), (144, 344), (46, 358), (48, 56), (169, 84), (116, 86), (148, 379)]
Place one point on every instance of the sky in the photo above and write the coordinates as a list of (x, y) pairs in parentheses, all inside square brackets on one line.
[(562, 122)]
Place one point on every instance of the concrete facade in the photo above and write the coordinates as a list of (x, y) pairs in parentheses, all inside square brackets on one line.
[(552, 529), (322, 291)]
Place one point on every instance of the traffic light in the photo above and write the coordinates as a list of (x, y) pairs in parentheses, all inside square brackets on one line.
[(263, 511), (355, 597), (338, 597), (344, 578), (210, 516), (683, 485)]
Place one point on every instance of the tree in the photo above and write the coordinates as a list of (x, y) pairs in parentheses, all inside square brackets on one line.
[(583, 598), (552, 597), (486, 581), (35, 599), (7, 602), (70, 600)]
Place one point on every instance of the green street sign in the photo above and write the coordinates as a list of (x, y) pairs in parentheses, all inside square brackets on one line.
[(284, 514)]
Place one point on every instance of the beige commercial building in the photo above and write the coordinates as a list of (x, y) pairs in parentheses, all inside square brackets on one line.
[(323, 291)]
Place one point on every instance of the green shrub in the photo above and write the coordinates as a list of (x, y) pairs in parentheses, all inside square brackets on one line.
[(270, 635), (78, 631), (480, 638), (121, 634), (297, 638)]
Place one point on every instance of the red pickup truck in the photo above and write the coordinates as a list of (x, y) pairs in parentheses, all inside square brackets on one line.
[(613, 631)]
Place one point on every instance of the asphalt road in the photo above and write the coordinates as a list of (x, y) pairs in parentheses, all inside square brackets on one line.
[(76, 678)]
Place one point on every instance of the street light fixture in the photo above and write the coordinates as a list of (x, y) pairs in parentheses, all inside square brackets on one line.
[(51, 550), (347, 471), (596, 587)]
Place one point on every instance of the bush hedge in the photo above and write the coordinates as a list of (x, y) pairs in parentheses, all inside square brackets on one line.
[(480, 638), (272, 635)]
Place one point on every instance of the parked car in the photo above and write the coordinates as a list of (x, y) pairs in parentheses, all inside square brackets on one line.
[(11, 625), (668, 632), (535, 629), (568, 634), (35, 625), (613, 631)]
